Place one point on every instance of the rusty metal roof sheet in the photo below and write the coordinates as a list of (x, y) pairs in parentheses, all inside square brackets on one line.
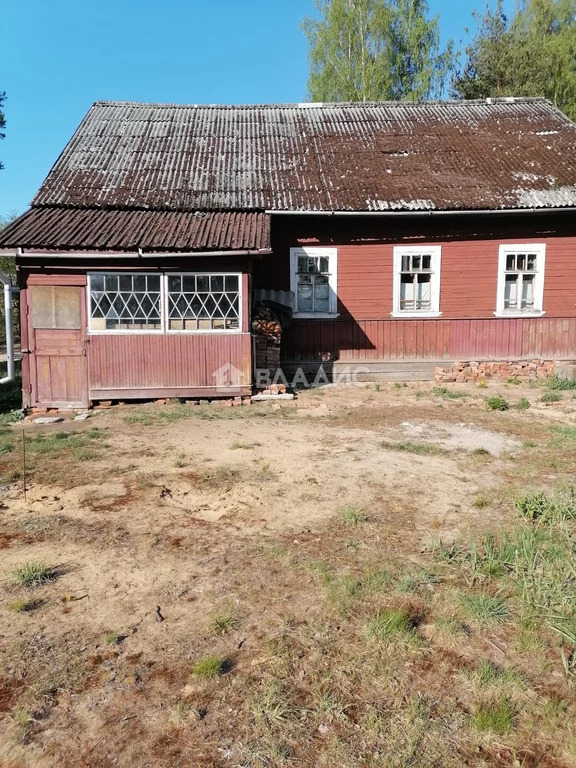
[(105, 230), (451, 155)]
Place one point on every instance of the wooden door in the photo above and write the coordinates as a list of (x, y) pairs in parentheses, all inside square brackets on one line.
[(58, 366)]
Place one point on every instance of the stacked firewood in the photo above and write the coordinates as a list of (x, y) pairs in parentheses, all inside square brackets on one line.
[(268, 336)]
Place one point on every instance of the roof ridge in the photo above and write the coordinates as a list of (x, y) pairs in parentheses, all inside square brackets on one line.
[(331, 104)]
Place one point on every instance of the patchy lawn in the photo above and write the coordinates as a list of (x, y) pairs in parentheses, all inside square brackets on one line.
[(377, 576)]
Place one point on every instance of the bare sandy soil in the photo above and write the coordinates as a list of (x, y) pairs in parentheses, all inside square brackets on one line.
[(212, 512)]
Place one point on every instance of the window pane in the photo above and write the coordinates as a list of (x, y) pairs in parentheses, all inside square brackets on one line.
[(510, 262), (406, 292), (426, 261), (305, 294), (302, 264), (125, 301), (423, 292), (528, 291), (174, 282), (531, 259), (97, 282), (204, 302), (511, 291), (324, 262), (405, 263)]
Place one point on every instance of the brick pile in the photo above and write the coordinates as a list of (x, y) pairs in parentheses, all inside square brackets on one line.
[(507, 369)]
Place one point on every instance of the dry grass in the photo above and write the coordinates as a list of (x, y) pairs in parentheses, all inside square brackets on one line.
[(392, 631)]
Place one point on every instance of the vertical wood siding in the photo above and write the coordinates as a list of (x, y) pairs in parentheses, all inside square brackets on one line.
[(495, 338), (167, 361)]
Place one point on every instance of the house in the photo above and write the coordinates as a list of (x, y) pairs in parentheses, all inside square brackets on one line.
[(401, 237)]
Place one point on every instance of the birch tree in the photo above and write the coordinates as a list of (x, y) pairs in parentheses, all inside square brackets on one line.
[(373, 50)]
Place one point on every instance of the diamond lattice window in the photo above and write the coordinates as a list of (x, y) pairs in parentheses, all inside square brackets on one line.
[(125, 302), (203, 302)]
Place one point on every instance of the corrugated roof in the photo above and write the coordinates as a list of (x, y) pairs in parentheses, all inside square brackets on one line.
[(316, 157), (69, 228)]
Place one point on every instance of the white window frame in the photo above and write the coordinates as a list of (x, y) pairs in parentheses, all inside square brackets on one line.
[(505, 250), (202, 330), (332, 255), (163, 304), (121, 331), (435, 252)]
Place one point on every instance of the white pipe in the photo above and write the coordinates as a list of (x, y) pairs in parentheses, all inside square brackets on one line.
[(9, 290)]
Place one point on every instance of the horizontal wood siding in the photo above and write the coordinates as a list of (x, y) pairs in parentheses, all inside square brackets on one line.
[(168, 361), (493, 338)]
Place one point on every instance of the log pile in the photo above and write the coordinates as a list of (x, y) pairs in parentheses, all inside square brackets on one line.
[(267, 331)]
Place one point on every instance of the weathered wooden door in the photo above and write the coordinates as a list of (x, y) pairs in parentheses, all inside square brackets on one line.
[(57, 344)]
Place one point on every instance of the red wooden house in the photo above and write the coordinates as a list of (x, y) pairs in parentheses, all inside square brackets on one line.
[(402, 236)]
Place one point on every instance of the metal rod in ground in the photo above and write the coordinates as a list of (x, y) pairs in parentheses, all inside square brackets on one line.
[(24, 461)]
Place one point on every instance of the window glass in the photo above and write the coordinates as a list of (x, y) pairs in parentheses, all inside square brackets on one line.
[(203, 302)]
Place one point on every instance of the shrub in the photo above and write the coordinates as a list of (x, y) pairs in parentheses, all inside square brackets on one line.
[(550, 397), (496, 403), (537, 505), (522, 404)]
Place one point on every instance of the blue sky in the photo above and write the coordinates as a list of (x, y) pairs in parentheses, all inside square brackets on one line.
[(60, 56)]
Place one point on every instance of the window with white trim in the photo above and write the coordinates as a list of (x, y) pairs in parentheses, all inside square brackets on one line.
[(416, 281), (203, 302), (121, 301), (313, 281), (142, 302), (520, 279)]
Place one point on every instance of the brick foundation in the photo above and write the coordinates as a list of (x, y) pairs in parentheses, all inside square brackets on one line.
[(506, 369)]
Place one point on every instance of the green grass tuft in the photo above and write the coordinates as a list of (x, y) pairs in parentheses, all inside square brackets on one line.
[(33, 573), (391, 623), (486, 609), (352, 516), (523, 404), (555, 382), (447, 393), (550, 397), (494, 716), (209, 666), (221, 623)]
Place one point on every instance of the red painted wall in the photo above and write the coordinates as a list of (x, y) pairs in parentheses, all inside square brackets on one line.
[(469, 277)]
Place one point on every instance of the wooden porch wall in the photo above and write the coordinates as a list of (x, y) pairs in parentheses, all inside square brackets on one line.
[(167, 361), (469, 339)]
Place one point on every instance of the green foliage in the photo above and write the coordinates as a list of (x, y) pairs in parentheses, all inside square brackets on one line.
[(485, 608), (374, 50), (555, 382), (550, 397), (523, 404), (33, 573), (222, 623), (537, 505), (447, 393), (531, 54), (391, 623), (352, 516), (496, 716), (496, 403), (209, 666)]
